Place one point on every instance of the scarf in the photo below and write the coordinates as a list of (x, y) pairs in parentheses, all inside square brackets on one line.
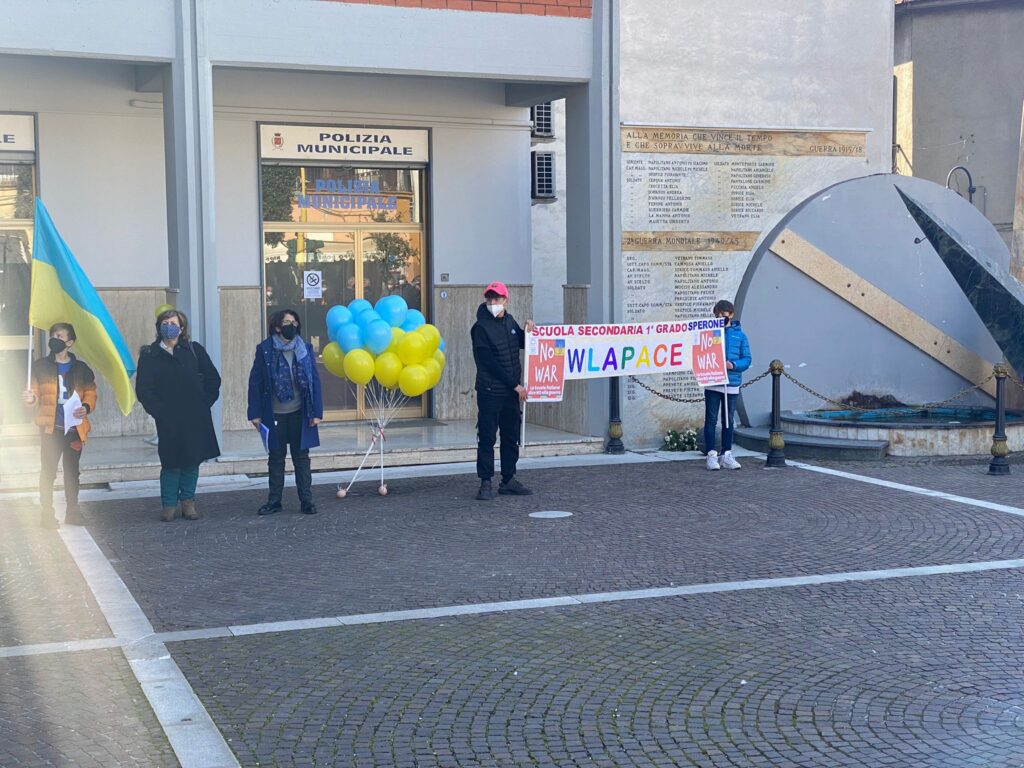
[(281, 372)]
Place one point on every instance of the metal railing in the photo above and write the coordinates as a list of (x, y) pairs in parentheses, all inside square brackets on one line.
[(999, 465)]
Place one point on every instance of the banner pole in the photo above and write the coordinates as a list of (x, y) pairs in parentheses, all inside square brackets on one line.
[(31, 337)]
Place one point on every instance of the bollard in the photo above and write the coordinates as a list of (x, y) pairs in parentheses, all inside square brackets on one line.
[(999, 464), (776, 443)]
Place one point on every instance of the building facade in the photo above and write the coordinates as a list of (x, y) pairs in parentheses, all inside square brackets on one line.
[(214, 154)]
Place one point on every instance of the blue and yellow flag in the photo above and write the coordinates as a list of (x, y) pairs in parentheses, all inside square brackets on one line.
[(61, 293)]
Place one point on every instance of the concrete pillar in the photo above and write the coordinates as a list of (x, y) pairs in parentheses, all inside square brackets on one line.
[(1017, 240), (188, 148), (592, 192)]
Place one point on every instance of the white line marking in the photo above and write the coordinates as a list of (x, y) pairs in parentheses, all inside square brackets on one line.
[(610, 597), (190, 730), (912, 489), (143, 648), (41, 649)]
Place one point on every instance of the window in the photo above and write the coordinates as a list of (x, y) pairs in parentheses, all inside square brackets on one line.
[(543, 182), (543, 122)]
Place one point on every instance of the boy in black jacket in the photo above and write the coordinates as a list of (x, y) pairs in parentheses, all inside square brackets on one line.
[(497, 341)]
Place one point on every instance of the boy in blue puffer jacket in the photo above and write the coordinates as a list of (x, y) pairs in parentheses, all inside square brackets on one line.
[(737, 360)]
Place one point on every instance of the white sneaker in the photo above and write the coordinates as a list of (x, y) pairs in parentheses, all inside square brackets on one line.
[(728, 461), (713, 460)]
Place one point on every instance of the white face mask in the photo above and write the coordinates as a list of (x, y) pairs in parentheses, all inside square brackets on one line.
[(495, 309)]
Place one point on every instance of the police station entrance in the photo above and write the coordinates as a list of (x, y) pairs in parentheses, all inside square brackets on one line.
[(17, 207), (343, 218)]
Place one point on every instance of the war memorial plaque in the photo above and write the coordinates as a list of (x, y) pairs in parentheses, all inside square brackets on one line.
[(695, 202)]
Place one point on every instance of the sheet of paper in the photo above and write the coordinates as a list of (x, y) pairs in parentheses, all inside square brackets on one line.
[(71, 405)]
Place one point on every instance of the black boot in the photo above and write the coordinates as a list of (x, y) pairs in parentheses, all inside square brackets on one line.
[(304, 482), (275, 479), (513, 487), (486, 492)]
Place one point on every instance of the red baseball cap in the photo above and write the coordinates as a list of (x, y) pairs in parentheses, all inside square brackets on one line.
[(498, 287)]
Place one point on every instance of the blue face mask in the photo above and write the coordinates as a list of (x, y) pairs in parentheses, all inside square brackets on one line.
[(169, 331)]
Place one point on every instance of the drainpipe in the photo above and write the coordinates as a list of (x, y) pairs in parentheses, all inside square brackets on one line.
[(971, 189)]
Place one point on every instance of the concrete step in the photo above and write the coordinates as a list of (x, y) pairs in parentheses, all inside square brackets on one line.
[(813, 446)]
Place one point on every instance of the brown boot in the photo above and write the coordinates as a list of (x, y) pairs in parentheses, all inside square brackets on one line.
[(188, 510), (168, 514)]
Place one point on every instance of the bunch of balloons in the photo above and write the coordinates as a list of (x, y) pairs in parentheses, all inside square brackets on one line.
[(387, 343)]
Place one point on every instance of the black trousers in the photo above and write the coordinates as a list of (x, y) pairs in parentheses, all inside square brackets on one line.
[(497, 414), (289, 435), (52, 449)]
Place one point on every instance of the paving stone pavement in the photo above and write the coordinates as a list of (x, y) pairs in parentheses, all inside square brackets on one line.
[(80, 709), (959, 475), (921, 672), (43, 597), (429, 543)]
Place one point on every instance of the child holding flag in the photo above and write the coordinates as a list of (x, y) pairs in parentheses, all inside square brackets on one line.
[(737, 360), (54, 379)]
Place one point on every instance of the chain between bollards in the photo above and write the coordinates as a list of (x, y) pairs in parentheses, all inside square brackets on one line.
[(1000, 450), (776, 443)]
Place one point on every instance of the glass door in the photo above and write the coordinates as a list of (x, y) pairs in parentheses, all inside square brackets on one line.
[(362, 230), (17, 200)]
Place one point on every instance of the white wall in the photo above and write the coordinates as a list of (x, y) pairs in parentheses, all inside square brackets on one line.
[(480, 200), (101, 164), (549, 232), (967, 93), (750, 63)]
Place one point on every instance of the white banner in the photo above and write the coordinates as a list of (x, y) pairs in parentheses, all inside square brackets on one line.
[(556, 354)]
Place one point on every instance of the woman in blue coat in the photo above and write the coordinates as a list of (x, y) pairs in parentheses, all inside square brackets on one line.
[(285, 397)]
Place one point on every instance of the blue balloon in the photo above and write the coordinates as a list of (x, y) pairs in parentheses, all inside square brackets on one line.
[(413, 320), (441, 345), (359, 305), (378, 336), (393, 310), (350, 336), (338, 315), (366, 317)]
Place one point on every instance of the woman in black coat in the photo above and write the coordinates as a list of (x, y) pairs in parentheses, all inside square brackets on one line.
[(177, 384)]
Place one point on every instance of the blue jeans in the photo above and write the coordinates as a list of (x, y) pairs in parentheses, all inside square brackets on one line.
[(178, 485), (712, 411)]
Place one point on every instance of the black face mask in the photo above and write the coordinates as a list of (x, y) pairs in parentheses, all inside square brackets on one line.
[(57, 345), (289, 332)]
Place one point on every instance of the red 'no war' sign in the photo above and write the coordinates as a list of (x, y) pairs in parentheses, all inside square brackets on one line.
[(546, 376)]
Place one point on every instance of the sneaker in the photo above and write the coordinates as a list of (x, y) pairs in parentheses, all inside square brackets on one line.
[(514, 488), (728, 462), (74, 518), (308, 508), (713, 460), (486, 492), (268, 509)]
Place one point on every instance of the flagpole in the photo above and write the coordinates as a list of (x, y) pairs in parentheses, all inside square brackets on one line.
[(31, 336)]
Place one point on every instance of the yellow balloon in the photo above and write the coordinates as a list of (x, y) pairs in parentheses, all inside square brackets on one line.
[(334, 359), (414, 380), (359, 366), (396, 336), (387, 368), (163, 308), (412, 348), (433, 371), (431, 334), (441, 359)]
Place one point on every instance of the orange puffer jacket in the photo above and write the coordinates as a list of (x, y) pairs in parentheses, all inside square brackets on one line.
[(44, 386)]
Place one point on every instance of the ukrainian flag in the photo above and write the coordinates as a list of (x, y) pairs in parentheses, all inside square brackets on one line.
[(61, 293)]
